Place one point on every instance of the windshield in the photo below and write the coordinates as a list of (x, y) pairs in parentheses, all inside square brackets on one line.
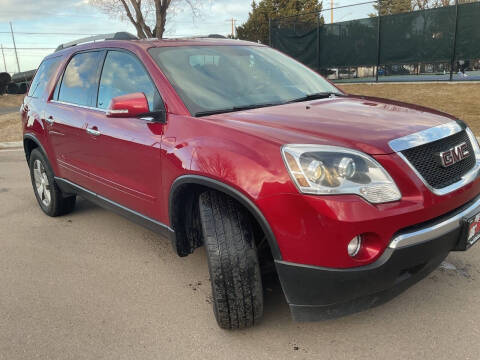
[(226, 78)]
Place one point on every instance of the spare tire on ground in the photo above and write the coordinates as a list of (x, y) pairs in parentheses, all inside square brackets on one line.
[(23, 76), (22, 88), (5, 78), (12, 88)]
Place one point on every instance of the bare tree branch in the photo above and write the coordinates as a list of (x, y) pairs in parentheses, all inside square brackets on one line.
[(140, 20), (138, 27), (145, 15)]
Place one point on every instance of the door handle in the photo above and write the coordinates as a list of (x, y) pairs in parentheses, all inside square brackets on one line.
[(49, 120), (93, 131)]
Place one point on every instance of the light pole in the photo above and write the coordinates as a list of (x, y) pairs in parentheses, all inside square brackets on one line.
[(14, 46)]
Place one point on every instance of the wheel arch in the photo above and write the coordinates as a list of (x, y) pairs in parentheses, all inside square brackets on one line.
[(186, 189), (30, 142)]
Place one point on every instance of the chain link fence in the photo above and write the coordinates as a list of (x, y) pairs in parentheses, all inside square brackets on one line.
[(433, 44)]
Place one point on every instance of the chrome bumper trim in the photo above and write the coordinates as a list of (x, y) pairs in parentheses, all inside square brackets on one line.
[(425, 136), (431, 232)]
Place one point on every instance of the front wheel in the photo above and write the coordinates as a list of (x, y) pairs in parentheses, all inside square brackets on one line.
[(232, 260), (50, 198)]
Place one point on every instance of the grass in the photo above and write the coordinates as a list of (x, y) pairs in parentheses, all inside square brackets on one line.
[(10, 127), (11, 100), (10, 124), (459, 99)]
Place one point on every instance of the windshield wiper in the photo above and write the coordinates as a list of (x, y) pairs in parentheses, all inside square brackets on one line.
[(314, 96), (234, 108), (319, 95)]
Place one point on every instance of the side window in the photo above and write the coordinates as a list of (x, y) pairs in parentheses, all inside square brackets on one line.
[(42, 77), (79, 83), (124, 74)]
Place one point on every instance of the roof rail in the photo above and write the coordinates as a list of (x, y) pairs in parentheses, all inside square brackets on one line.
[(113, 36), (209, 36)]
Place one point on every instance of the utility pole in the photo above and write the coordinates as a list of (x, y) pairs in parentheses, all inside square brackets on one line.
[(233, 27), (14, 46), (4, 62), (331, 11), (379, 18)]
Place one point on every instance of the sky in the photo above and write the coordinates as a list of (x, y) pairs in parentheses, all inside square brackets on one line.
[(77, 18)]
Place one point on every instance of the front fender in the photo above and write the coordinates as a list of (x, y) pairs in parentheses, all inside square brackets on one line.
[(231, 155), (239, 163)]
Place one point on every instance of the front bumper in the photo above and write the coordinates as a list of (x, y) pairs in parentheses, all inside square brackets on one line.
[(317, 293)]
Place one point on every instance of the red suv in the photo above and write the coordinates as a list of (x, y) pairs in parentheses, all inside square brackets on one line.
[(237, 147)]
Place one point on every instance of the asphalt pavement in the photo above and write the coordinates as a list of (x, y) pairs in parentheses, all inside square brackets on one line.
[(92, 285)]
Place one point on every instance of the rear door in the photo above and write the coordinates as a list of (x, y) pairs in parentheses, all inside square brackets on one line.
[(73, 100), (126, 164), (33, 108)]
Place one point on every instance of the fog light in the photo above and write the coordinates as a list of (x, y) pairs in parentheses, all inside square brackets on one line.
[(354, 246)]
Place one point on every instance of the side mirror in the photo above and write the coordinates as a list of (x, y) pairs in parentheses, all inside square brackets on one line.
[(133, 105), (130, 105)]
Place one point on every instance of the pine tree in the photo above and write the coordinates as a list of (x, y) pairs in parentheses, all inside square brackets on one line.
[(256, 27)]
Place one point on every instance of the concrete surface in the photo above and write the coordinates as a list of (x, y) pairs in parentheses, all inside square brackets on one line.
[(471, 76), (92, 285), (11, 145), (9, 109)]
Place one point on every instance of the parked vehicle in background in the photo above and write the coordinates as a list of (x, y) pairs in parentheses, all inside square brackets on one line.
[(234, 146)]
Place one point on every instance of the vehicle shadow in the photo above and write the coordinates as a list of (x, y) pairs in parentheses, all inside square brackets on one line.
[(404, 308), (275, 305)]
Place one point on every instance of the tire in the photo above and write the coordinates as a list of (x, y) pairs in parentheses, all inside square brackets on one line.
[(232, 261), (49, 196)]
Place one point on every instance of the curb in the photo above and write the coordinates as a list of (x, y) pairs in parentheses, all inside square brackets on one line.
[(11, 145)]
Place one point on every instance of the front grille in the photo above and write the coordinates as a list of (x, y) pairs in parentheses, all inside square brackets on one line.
[(425, 159)]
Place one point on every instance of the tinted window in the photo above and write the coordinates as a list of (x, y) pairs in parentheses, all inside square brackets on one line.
[(124, 74), (79, 83), (42, 77)]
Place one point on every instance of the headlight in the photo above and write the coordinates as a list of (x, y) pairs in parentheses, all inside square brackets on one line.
[(327, 170)]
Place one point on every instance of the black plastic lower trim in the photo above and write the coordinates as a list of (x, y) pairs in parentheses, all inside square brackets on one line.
[(316, 293), (154, 225), (31, 136)]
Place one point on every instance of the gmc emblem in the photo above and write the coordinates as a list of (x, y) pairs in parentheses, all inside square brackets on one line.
[(454, 155)]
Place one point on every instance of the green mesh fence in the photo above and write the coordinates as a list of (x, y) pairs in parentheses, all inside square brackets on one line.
[(425, 36), (468, 32), (297, 39), (420, 36), (349, 43)]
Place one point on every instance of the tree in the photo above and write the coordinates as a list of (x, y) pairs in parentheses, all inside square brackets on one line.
[(390, 7), (141, 13), (256, 26)]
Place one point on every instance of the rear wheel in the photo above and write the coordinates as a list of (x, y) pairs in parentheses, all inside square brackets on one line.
[(232, 259), (50, 198)]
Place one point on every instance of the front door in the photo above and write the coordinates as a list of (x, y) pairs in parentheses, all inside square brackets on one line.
[(126, 163)]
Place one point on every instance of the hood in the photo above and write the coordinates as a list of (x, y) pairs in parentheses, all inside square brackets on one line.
[(363, 123)]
